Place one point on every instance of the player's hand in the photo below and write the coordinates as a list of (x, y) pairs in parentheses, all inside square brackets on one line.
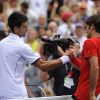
[(48, 91), (70, 52), (76, 46), (75, 50), (92, 98)]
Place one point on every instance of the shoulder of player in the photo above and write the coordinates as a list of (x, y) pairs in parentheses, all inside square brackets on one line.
[(90, 41)]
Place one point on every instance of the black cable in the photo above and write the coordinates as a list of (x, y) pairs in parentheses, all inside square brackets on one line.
[(39, 83)]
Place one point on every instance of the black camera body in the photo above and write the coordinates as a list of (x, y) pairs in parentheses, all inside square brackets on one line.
[(50, 46)]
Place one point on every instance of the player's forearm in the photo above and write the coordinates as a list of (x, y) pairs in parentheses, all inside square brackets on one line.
[(49, 65), (52, 64), (94, 73), (77, 62)]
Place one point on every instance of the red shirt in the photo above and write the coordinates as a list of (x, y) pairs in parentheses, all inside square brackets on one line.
[(91, 48)]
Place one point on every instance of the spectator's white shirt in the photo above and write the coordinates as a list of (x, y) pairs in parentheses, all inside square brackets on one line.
[(32, 18), (64, 30), (14, 54), (81, 40), (39, 6), (90, 7)]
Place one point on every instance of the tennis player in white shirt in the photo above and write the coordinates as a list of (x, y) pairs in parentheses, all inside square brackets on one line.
[(14, 54)]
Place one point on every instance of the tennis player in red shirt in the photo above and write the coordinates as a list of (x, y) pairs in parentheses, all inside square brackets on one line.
[(89, 64)]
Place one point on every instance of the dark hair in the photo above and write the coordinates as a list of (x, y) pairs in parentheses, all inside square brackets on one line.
[(1, 8), (16, 19), (78, 27), (25, 5), (94, 20), (2, 34)]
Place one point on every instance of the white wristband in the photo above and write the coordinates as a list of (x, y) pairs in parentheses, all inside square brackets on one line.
[(64, 59)]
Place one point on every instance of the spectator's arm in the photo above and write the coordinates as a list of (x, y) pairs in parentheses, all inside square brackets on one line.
[(55, 6), (29, 91)]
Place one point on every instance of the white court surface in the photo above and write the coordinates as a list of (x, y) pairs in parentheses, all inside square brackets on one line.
[(48, 98), (53, 98)]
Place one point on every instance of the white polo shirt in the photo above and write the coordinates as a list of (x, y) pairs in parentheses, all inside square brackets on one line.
[(14, 54)]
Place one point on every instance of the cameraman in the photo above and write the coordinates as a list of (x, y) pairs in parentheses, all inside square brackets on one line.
[(60, 84), (62, 75)]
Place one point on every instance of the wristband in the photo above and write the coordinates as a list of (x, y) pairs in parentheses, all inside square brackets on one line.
[(64, 59)]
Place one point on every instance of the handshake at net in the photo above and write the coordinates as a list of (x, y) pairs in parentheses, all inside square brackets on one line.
[(71, 52)]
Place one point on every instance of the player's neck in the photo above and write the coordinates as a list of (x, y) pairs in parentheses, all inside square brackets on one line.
[(96, 35)]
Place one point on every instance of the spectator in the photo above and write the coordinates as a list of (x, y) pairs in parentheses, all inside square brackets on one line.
[(38, 6), (80, 36), (55, 11), (32, 16), (82, 11), (42, 22), (14, 6), (68, 27), (32, 78), (90, 6), (2, 18), (96, 6), (65, 7), (52, 29), (32, 40)]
